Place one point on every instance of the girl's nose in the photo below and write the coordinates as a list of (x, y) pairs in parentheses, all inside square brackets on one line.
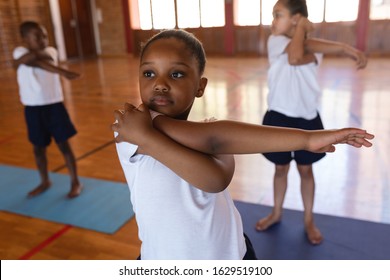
[(161, 85)]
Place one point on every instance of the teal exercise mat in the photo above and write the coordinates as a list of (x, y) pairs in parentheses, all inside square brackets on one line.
[(344, 238), (103, 206)]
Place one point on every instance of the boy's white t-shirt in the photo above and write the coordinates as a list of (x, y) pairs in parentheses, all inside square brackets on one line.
[(175, 219), (37, 86), (293, 90)]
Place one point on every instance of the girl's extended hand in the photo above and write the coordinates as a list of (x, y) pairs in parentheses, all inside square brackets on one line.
[(324, 140), (359, 57)]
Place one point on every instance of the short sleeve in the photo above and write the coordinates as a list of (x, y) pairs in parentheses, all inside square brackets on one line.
[(53, 54), (125, 150), (276, 45), (19, 52), (154, 114), (319, 57)]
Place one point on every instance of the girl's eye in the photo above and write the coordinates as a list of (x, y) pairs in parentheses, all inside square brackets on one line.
[(177, 75), (148, 74)]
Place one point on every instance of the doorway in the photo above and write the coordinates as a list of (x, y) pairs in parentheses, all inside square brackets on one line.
[(77, 28)]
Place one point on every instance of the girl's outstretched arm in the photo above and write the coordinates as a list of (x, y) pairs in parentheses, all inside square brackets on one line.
[(231, 137)]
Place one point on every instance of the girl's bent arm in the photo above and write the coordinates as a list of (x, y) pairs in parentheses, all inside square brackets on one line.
[(207, 172), (316, 45), (297, 54)]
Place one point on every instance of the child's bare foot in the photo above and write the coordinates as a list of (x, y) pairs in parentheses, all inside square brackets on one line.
[(313, 234), (40, 189), (265, 223), (75, 190)]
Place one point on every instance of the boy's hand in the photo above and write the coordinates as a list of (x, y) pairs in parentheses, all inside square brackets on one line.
[(324, 140), (133, 125), (70, 75)]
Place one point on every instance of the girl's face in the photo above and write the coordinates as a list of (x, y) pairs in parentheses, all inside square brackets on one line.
[(169, 78), (283, 23), (36, 39)]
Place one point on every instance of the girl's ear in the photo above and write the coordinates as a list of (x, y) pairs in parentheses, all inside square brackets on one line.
[(202, 86)]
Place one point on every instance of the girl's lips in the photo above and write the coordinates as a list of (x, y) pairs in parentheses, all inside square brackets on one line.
[(161, 100)]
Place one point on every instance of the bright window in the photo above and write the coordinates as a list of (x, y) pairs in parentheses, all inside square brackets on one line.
[(341, 10), (246, 12), (380, 9), (251, 12), (212, 13), (141, 15), (315, 8), (267, 8), (163, 14), (188, 13)]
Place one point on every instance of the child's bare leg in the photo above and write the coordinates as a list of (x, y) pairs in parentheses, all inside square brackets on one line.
[(307, 190), (41, 162), (70, 161), (280, 187)]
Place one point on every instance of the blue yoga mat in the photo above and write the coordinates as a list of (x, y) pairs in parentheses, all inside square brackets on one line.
[(103, 206), (344, 238)]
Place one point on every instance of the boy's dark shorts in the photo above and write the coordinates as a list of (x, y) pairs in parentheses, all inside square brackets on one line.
[(301, 157), (47, 121)]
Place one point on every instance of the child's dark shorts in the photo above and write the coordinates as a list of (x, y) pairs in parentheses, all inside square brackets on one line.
[(250, 251), (47, 121), (301, 157)]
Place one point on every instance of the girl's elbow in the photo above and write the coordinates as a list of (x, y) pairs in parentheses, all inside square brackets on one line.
[(224, 182), (215, 188), (217, 185)]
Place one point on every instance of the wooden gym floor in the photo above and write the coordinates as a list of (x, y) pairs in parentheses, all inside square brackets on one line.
[(350, 183)]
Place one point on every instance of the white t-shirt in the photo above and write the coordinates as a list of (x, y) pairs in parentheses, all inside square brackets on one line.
[(293, 90), (38, 86), (175, 219)]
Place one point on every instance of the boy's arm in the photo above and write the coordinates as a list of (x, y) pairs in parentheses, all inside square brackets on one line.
[(48, 66), (316, 45), (206, 172), (28, 59), (43, 61)]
